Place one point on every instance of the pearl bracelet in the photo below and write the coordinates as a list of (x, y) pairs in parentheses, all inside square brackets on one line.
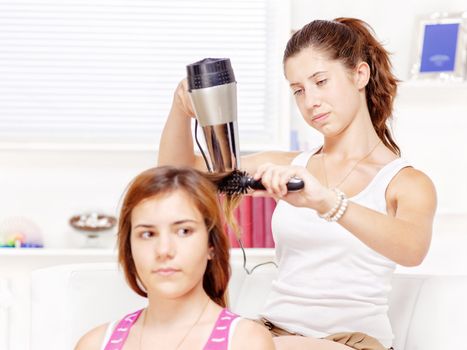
[(338, 210), (341, 210), (331, 212)]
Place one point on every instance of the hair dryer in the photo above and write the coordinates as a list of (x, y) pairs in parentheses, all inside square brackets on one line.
[(213, 91)]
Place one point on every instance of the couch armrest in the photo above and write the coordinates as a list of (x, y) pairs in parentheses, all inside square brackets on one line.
[(69, 300), (428, 312)]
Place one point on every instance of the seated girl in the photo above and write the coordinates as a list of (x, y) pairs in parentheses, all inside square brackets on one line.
[(174, 250)]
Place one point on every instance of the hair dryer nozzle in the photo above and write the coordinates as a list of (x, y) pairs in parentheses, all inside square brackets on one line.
[(209, 72)]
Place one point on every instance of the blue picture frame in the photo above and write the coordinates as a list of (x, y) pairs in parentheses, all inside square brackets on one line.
[(441, 49)]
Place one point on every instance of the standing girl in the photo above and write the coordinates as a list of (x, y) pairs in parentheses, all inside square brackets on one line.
[(363, 209)]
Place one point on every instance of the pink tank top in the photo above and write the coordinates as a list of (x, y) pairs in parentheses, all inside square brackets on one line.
[(218, 340)]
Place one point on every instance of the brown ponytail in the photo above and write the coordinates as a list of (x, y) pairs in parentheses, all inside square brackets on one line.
[(351, 41)]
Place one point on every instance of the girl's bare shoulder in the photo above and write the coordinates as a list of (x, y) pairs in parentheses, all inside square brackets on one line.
[(92, 339), (251, 335)]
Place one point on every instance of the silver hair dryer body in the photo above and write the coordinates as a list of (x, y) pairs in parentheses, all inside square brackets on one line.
[(213, 91)]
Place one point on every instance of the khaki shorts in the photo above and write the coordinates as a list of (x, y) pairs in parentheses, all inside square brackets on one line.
[(355, 340)]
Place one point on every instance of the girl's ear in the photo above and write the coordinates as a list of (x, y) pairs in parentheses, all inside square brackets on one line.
[(211, 253), (362, 75)]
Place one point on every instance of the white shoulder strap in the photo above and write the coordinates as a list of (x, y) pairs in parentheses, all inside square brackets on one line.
[(108, 333), (233, 325)]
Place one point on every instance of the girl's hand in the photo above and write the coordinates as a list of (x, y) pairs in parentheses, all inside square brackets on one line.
[(314, 195), (182, 100)]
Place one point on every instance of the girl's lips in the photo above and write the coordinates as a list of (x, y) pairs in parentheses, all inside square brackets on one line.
[(166, 271), (319, 117)]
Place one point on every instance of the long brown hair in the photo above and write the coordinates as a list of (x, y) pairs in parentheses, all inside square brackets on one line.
[(351, 41), (164, 180)]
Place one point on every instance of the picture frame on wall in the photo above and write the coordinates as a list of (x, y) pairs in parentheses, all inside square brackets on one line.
[(441, 48)]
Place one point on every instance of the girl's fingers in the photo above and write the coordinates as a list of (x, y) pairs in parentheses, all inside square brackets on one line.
[(275, 178), (266, 179), (261, 170), (183, 99)]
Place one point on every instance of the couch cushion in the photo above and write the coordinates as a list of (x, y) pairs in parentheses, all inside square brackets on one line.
[(402, 302), (75, 298), (248, 292), (439, 316)]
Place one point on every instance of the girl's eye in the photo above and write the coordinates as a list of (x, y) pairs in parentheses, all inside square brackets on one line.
[(183, 232), (321, 82), (298, 92), (146, 234)]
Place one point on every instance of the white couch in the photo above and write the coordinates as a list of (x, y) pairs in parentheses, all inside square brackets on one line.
[(427, 312)]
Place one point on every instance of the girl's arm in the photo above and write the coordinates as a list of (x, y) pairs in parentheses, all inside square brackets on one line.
[(403, 235), (176, 145)]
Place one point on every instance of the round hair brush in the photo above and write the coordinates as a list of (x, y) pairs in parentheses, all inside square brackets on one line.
[(239, 182)]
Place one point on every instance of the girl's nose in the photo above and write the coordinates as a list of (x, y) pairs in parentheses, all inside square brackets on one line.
[(312, 100), (165, 246)]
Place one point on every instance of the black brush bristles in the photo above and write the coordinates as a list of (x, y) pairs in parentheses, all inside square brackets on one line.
[(239, 182), (234, 183)]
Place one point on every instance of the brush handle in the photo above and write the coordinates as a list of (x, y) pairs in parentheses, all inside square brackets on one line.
[(294, 184)]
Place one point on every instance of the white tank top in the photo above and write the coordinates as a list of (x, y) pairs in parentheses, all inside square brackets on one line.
[(329, 281)]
